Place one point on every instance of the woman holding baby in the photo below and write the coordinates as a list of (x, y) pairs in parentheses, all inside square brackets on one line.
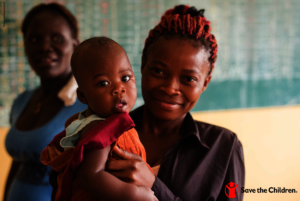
[(194, 160), (189, 160)]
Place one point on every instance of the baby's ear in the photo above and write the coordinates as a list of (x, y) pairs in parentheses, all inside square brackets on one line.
[(81, 96)]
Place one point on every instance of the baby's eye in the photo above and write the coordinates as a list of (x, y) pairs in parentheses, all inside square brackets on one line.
[(103, 83), (126, 78)]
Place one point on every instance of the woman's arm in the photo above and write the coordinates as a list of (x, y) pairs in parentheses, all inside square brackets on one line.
[(133, 169), (102, 185), (11, 176)]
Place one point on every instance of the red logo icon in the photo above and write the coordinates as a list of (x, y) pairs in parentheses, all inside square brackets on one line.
[(231, 189)]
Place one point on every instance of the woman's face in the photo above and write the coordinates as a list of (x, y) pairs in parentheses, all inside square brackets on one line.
[(49, 45), (173, 77)]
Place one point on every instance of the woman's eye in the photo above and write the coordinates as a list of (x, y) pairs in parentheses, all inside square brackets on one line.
[(57, 39), (126, 78), (33, 39), (157, 71), (103, 83), (190, 79)]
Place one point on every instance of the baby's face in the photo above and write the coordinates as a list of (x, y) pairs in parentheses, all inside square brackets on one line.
[(106, 82)]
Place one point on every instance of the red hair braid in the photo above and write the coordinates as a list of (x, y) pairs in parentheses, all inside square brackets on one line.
[(187, 21)]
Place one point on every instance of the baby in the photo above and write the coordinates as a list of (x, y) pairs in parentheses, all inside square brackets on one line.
[(78, 155)]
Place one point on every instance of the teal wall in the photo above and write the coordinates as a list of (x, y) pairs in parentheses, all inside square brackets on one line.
[(258, 61)]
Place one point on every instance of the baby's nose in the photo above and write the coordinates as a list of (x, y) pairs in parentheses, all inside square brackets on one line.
[(119, 89)]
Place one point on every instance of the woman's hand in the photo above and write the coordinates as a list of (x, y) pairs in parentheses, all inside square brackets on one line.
[(130, 168)]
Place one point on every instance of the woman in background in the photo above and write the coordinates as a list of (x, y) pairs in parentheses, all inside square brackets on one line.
[(191, 160), (50, 34)]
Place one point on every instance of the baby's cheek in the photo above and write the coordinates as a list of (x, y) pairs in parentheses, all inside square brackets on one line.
[(103, 104), (131, 101), (132, 91)]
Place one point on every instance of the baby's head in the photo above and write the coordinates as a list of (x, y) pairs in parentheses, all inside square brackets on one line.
[(106, 82)]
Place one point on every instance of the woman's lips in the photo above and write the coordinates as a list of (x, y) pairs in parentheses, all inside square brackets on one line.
[(167, 105), (46, 61)]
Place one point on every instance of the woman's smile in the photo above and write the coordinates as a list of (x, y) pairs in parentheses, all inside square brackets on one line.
[(167, 104), (46, 61)]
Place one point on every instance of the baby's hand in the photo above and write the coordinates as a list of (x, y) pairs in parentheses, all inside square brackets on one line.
[(145, 194)]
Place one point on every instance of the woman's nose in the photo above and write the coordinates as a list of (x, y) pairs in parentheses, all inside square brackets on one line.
[(118, 89), (171, 87), (46, 45)]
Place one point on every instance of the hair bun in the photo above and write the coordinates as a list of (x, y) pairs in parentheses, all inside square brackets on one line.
[(194, 12), (184, 9), (190, 22), (201, 12)]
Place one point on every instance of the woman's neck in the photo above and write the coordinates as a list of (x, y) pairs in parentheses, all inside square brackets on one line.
[(160, 128), (54, 85)]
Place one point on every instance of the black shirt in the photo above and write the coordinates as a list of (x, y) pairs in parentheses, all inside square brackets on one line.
[(199, 165)]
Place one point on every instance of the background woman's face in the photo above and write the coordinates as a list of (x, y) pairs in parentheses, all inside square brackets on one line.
[(173, 77), (49, 45)]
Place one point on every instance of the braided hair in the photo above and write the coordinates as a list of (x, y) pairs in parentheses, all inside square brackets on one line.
[(192, 25)]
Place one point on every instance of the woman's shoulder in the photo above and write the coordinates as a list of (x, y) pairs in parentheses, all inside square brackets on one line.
[(21, 98), (223, 141), (211, 129), (19, 102), (214, 135)]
